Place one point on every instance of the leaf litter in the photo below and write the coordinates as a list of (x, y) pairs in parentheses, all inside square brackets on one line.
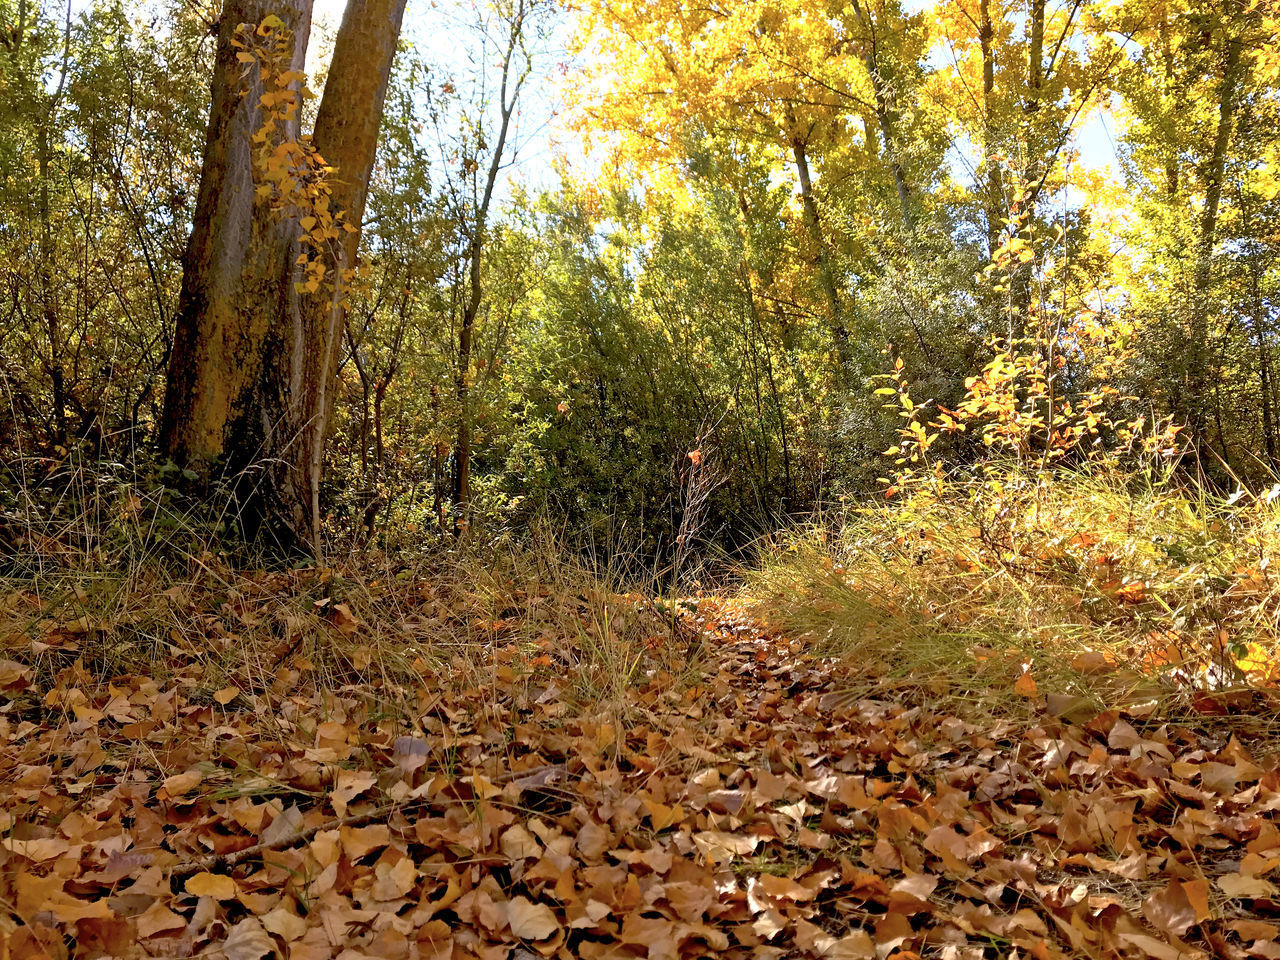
[(762, 805)]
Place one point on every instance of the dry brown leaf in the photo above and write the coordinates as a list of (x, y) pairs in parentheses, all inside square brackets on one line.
[(248, 941), (1169, 910), (158, 919), (37, 849), (349, 784), (285, 924), (226, 695), (1239, 887), (361, 841), (529, 920), (519, 844), (179, 785), (345, 621), (855, 946), (392, 881)]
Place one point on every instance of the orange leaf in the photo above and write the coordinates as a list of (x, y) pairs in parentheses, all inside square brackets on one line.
[(216, 885), (1026, 685)]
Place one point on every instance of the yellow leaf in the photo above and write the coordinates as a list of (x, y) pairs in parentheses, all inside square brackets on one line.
[(226, 695), (180, 784), (216, 885)]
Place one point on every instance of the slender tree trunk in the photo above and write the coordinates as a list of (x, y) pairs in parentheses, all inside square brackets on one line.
[(1171, 171), (754, 312), (513, 78), (995, 188), (48, 298), (826, 275), (1264, 369), (1198, 367), (886, 116), (1264, 374), (1022, 273)]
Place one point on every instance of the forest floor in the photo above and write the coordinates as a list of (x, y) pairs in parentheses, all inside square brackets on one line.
[(271, 767)]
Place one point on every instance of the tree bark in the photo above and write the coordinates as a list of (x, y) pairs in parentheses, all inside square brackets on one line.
[(303, 347), (826, 275), (513, 79), (886, 116), (254, 361), (1198, 334), (995, 189), (237, 263), (1022, 273)]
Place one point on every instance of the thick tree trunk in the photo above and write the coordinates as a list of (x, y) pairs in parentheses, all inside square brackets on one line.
[(238, 262), (303, 346), (254, 360)]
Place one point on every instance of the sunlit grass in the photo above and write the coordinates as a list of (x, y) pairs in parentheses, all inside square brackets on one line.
[(1101, 585)]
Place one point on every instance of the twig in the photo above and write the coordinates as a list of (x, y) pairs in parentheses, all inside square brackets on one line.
[(248, 853), (525, 779)]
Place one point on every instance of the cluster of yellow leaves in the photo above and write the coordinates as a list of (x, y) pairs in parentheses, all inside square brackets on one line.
[(289, 173)]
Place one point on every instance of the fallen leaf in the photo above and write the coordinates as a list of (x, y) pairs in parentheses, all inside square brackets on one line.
[(158, 919), (529, 920), (286, 925), (226, 695), (519, 844), (248, 941), (179, 785), (216, 885), (349, 784), (342, 618), (1169, 910), (1239, 887)]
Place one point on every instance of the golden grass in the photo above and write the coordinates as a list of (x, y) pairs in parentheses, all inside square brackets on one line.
[(1098, 586)]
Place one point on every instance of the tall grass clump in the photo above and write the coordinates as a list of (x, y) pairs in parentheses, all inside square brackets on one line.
[(109, 571), (1071, 557)]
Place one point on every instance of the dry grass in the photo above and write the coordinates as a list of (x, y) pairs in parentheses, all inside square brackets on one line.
[(1103, 588), (129, 584)]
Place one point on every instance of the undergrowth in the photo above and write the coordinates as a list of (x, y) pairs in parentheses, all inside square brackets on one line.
[(115, 577), (1099, 589)]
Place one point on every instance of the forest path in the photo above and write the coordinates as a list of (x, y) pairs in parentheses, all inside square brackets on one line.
[(762, 812)]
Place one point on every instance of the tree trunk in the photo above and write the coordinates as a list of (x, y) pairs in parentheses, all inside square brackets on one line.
[(513, 78), (48, 298), (995, 188), (826, 275), (237, 265), (1198, 371), (304, 347), (886, 116), (1021, 274), (254, 360)]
